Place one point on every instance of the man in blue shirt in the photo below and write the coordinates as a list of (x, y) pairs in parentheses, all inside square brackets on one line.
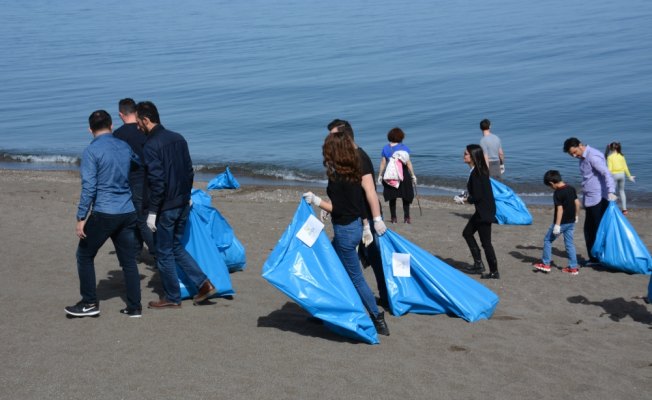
[(105, 211), (598, 189), (130, 133), (170, 177)]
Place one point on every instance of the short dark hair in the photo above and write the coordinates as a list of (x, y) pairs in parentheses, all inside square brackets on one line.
[(485, 124), (127, 106), (571, 142), (147, 109), (551, 176), (99, 120), (395, 135), (342, 126)]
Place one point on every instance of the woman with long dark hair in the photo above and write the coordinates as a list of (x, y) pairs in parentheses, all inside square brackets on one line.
[(347, 209), (482, 197)]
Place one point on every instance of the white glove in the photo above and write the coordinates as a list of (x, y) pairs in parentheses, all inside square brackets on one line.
[(414, 180), (379, 226), (577, 218), (632, 178), (311, 198), (502, 168), (151, 222), (556, 230), (612, 197), (379, 180), (367, 237), (324, 215), (459, 199)]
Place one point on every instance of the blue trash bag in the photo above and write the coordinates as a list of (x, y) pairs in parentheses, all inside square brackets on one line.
[(618, 246), (225, 180), (198, 242), (433, 286), (510, 209), (232, 251), (315, 278)]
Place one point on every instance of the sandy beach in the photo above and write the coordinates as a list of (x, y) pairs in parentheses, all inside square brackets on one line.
[(553, 336)]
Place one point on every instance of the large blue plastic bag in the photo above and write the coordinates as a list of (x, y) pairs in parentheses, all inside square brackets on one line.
[(618, 246), (433, 287), (510, 209), (232, 251), (225, 180), (315, 278), (198, 242)]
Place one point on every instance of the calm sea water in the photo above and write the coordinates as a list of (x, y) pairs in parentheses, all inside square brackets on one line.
[(253, 84)]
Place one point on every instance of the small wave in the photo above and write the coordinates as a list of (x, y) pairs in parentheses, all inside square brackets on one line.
[(39, 158)]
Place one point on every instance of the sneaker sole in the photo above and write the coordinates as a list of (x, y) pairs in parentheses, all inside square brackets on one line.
[(541, 269), (88, 314)]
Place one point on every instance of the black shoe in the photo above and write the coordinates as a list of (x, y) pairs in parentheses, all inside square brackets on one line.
[(380, 324), (82, 309), (490, 275), (132, 312), (476, 269)]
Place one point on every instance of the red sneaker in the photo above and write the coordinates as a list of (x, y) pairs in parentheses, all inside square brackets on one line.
[(572, 271), (542, 267)]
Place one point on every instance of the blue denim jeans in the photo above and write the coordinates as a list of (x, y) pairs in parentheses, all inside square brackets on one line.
[(143, 234), (121, 228), (170, 252), (567, 230), (345, 241)]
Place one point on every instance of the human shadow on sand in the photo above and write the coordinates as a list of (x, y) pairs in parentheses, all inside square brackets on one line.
[(113, 286), (617, 309), (292, 318)]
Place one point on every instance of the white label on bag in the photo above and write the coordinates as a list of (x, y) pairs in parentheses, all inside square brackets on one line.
[(401, 265), (310, 231)]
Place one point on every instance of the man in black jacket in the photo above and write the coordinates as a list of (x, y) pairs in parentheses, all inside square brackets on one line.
[(170, 177), (130, 133)]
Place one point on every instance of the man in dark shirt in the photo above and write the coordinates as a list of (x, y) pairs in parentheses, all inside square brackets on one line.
[(169, 177), (130, 133), (371, 252)]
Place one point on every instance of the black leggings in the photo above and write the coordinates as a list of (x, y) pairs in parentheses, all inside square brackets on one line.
[(484, 231), (406, 208)]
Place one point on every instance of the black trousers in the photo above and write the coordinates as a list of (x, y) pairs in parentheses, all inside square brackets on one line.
[(484, 231), (591, 223)]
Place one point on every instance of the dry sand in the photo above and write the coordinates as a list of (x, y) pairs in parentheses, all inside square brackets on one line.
[(552, 337)]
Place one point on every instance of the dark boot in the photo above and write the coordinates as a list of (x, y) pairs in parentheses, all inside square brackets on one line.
[(380, 324), (478, 266)]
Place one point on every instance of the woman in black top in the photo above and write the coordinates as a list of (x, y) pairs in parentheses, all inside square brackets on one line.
[(347, 209), (481, 196)]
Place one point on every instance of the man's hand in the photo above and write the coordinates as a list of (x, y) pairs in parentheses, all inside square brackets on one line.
[(502, 168), (151, 222), (379, 226), (612, 197), (79, 230), (311, 198), (556, 230), (367, 237), (577, 219)]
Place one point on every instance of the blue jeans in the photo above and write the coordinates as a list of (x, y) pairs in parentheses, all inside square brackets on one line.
[(121, 228), (345, 241), (170, 252), (143, 234), (567, 230)]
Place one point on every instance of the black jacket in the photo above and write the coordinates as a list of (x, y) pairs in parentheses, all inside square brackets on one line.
[(482, 196), (169, 169)]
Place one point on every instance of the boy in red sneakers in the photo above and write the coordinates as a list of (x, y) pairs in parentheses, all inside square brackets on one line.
[(567, 208)]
